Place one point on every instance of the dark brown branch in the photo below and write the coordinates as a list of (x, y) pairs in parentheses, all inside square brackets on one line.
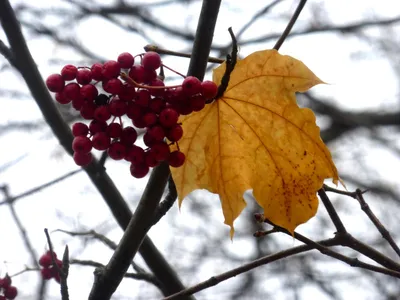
[(65, 272), (382, 230), (107, 280), (7, 53), (331, 211), (95, 171), (290, 25)]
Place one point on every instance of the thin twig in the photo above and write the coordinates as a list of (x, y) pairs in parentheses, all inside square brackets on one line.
[(40, 187), (327, 188), (52, 253), (20, 226), (165, 205), (160, 50), (383, 231), (138, 276), (290, 25)]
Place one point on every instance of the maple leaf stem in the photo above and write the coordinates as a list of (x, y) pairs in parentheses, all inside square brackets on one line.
[(230, 65), (290, 25), (160, 50)]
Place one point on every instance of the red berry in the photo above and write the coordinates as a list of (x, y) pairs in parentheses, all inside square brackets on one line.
[(149, 75), (126, 60), (209, 89), (176, 159), (128, 136), (139, 170), (191, 85), (118, 107), (87, 110), (150, 118), (161, 151), (114, 130), (134, 111), (68, 72), (112, 86), (175, 133), (102, 99), (175, 96), (78, 103), (5, 282), (72, 91), (101, 141), (111, 69), (135, 154), (55, 83), (197, 102), (150, 159), (45, 260), (60, 98), (80, 129), (127, 92), (83, 159), (157, 104), (81, 144), (151, 60), (49, 253), (84, 76), (11, 292), (138, 123), (117, 151), (97, 70), (184, 108), (46, 273), (157, 133), (143, 98), (168, 117), (96, 126), (89, 92), (148, 139), (137, 73), (157, 83), (102, 113)]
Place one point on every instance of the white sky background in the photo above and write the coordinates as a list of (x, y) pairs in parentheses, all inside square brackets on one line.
[(358, 84)]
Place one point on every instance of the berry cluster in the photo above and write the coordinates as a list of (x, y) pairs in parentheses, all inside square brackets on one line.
[(135, 91), (49, 270), (7, 291)]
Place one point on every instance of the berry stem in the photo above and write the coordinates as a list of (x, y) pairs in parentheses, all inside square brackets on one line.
[(132, 82), (159, 50), (172, 70)]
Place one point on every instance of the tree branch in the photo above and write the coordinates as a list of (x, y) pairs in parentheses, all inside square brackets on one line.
[(108, 280), (95, 171), (290, 25)]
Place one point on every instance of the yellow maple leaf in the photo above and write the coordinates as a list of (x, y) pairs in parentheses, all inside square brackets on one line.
[(256, 137)]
